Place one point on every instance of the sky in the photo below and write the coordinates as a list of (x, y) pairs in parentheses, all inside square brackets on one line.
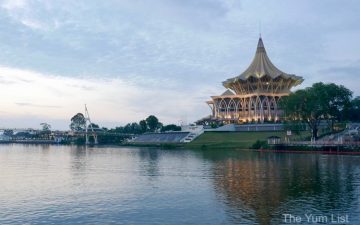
[(127, 59)]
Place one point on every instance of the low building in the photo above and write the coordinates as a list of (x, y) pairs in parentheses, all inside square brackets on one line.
[(273, 140), (4, 137)]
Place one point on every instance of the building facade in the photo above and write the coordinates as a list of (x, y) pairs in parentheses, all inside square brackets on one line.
[(254, 94)]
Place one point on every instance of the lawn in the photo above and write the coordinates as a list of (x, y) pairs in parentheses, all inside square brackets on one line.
[(242, 140)]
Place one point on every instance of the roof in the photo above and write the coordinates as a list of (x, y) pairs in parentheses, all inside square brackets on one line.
[(261, 66), (274, 137), (227, 92)]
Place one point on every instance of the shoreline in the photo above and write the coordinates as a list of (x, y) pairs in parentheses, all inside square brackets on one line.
[(183, 146), (31, 142), (330, 152)]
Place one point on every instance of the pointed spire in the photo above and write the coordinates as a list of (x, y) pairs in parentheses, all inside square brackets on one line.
[(260, 46), (259, 67)]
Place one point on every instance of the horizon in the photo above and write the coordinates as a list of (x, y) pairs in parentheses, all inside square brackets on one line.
[(127, 62)]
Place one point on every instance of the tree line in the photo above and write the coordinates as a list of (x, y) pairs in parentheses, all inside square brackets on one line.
[(150, 124), (321, 102)]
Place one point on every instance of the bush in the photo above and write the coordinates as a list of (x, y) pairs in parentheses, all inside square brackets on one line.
[(170, 127), (260, 145)]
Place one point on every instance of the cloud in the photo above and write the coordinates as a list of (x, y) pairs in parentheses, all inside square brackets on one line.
[(27, 104), (110, 101), (13, 80), (126, 61), (347, 75), (125, 38), (350, 70), (13, 4), (33, 24)]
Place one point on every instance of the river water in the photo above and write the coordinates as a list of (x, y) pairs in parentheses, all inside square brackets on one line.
[(43, 184)]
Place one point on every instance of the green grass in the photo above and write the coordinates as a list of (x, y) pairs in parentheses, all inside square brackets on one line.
[(241, 140)]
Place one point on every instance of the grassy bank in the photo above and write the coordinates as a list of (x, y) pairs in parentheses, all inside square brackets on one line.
[(243, 140)]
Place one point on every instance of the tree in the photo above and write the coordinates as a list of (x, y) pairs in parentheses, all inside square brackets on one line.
[(132, 128), (128, 128), (317, 103), (338, 101), (45, 133), (105, 129), (159, 126), (135, 128), (9, 132), (143, 125), (170, 127), (78, 122), (119, 130), (353, 113), (152, 122), (116, 130), (45, 127), (93, 125)]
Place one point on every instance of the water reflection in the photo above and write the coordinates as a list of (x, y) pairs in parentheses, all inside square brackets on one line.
[(150, 160), (104, 185), (263, 186), (78, 159)]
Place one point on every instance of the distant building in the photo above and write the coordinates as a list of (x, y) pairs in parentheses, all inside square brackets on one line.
[(255, 93), (273, 140), (4, 137)]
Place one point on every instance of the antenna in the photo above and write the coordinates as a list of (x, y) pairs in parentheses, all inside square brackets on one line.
[(260, 28)]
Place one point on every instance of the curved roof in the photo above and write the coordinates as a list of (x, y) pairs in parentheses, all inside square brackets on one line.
[(261, 66), (227, 93)]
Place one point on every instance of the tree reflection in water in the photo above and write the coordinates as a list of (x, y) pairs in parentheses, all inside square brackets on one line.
[(262, 186)]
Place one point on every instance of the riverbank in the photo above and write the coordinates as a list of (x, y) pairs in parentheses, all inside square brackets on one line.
[(213, 140), (253, 141), (30, 142), (328, 152)]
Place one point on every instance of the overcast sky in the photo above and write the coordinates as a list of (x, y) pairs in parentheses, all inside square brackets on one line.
[(127, 59)]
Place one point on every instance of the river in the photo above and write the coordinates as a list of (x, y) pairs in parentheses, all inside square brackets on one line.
[(49, 184)]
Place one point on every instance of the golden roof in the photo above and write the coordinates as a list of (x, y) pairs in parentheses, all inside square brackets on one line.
[(260, 67)]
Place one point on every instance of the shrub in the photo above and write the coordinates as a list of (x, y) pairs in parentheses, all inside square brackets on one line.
[(260, 145)]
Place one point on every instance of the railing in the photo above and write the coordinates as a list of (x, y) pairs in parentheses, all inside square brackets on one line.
[(321, 143)]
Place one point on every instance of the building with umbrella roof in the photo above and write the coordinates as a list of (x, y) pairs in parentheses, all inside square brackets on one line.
[(254, 94)]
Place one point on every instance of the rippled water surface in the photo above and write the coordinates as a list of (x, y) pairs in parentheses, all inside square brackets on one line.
[(43, 184)]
